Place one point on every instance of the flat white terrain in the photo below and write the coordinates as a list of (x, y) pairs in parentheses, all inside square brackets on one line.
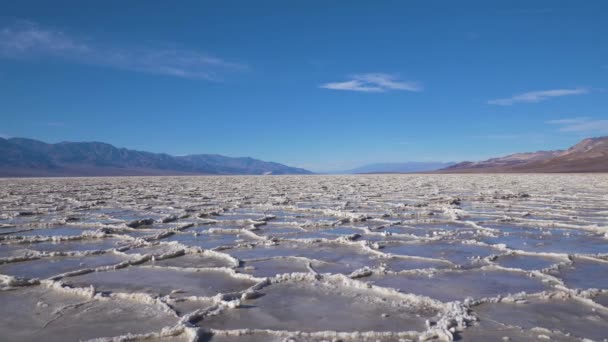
[(305, 258)]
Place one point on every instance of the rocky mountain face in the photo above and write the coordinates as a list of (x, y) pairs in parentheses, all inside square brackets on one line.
[(20, 157), (589, 155), (507, 161)]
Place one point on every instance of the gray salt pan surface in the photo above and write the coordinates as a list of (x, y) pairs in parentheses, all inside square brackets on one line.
[(602, 299), (566, 316), (77, 245), (458, 285), (162, 281), (7, 251), (47, 267), (206, 241), (528, 262), (318, 307), (336, 258), (455, 252), (489, 330), (273, 267), (39, 314), (58, 231), (305, 258), (536, 241), (194, 261), (584, 274)]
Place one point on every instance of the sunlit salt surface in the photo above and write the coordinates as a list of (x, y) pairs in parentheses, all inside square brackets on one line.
[(319, 307), (43, 314), (458, 285), (305, 258), (566, 316)]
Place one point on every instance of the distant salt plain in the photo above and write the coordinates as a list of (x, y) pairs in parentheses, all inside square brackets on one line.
[(305, 258)]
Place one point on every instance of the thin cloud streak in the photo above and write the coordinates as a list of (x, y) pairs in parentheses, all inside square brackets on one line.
[(373, 83), (581, 125), (537, 96), (29, 40)]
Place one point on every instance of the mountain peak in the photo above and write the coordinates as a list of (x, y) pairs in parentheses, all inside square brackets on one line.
[(589, 155), (589, 144)]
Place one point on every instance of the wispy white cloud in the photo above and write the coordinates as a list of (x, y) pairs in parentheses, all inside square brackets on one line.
[(373, 83), (581, 125), (30, 40), (537, 96), (353, 85), (4, 136)]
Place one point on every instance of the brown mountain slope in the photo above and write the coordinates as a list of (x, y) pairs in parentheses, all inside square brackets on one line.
[(589, 155)]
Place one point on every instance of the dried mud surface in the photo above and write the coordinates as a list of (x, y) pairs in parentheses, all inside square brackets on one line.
[(305, 258)]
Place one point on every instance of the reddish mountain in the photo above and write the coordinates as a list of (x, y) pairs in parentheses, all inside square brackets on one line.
[(589, 155)]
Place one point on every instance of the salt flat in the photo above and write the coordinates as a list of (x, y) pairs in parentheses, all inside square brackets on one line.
[(305, 258)]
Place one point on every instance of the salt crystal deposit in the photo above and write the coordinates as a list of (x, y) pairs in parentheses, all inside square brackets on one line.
[(305, 258)]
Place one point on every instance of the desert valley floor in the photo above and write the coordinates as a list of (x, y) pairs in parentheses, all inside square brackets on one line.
[(305, 258)]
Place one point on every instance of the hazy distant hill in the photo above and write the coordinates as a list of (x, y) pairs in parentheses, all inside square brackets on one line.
[(399, 167), (20, 157), (589, 155)]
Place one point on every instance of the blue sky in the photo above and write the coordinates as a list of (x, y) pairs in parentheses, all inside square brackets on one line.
[(325, 85)]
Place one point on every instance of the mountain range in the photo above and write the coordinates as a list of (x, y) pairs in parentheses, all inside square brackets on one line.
[(589, 155), (21, 157)]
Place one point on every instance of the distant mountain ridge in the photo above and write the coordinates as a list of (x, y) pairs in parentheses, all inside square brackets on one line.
[(405, 167), (589, 155), (508, 160), (21, 157)]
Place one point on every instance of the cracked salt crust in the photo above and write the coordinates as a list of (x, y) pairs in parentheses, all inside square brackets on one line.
[(305, 258)]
